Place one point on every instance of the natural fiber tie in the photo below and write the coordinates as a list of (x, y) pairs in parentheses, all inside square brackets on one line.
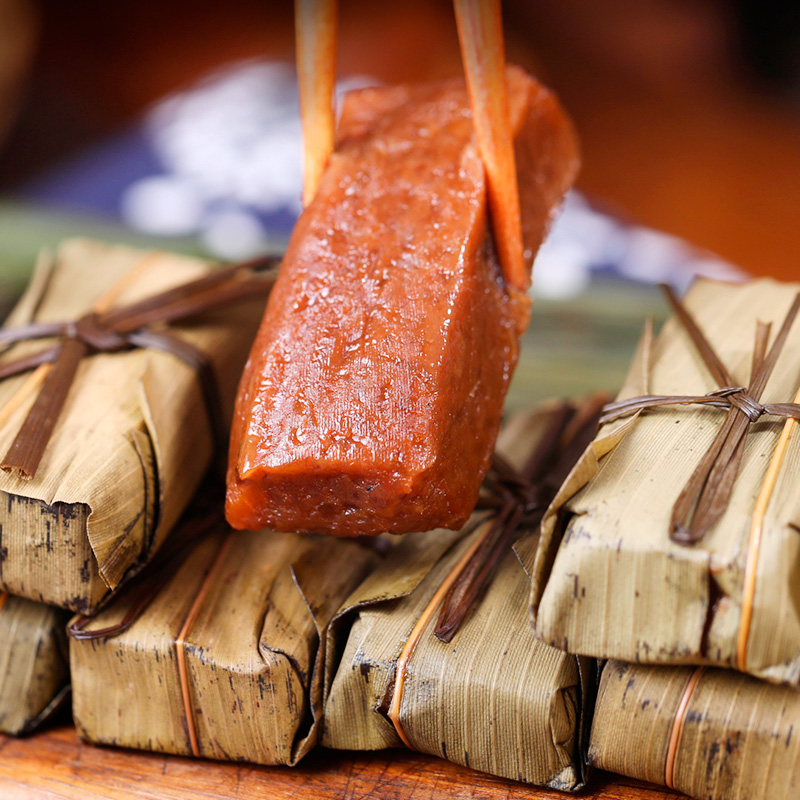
[(124, 328), (707, 493)]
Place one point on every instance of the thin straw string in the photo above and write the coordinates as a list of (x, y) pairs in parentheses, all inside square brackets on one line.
[(180, 642), (677, 727), (418, 629), (754, 543)]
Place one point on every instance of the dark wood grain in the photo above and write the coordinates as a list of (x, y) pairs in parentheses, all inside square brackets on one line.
[(58, 765)]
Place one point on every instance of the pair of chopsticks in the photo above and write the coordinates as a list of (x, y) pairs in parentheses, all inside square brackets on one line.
[(480, 33)]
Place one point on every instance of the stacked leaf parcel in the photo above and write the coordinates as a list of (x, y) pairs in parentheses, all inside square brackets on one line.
[(117, 372), (434, 650), (34, 663), (219, 656), (675, 541), (711, 733)]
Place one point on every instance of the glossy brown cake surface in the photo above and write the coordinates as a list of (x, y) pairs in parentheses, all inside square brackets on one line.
[(375, 387)]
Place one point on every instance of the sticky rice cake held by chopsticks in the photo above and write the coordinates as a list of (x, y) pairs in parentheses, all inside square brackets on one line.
[(374, 390)]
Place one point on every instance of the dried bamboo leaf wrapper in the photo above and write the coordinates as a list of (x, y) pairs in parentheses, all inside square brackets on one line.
[(497, 672), (384, 620), (609, 582), (494, 698), (737, 735), (134, 438), (34, 665), (244, 616)]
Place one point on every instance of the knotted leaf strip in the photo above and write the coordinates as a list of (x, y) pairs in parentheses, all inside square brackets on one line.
[(708, 491), (125, 328)]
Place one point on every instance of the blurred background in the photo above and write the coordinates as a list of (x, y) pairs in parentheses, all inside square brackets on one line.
[(688, 110), (175, 123)]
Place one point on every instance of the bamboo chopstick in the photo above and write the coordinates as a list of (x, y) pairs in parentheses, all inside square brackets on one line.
[(315, 33), (480, 31)]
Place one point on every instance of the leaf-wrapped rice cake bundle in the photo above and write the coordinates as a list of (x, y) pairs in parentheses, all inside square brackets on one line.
[(733, 736), (375, 387), (134, 438), (622, 571), (34, 664), (494, 698), (224, 661)]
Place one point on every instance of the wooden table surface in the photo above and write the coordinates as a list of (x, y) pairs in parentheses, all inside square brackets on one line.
[(56, 764)]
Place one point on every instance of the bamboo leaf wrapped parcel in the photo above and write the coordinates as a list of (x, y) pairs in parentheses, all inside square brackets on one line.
[(713, 734), (34, 663), (224, 661), (492, 698), (675, 539), (135, 431)]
